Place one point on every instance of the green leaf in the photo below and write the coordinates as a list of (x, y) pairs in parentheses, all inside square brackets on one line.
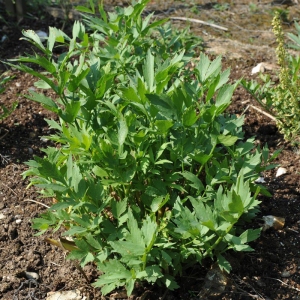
[(163, 126), (224, 96), (99, 171), (76, 255), (189, 116), (75, 230), (84, 9), (250, 235), (71, 111), (156, 203), (150, 273), (148, 69), (207, 69), (32, 37), (227, 140), (170, 282), (149, 230), (129, 286), (195, 181), (236, 205), (122, 131), (50, 170), (223, 263), (118, 207)]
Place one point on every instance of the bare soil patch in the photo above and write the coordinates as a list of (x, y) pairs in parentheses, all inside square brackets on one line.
[(271, 272)]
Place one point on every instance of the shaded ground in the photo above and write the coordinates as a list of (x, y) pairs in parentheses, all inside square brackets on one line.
[(271, 272)]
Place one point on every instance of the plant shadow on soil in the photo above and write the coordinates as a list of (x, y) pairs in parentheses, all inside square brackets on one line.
[(271, 272)]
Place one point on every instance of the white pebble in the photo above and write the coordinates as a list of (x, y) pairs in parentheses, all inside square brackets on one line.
[(281, 171), (18, 221), (42, 35), (260, 180), (257, 69)]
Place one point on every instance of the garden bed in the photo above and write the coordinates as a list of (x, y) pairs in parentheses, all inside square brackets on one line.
[(271, 272)]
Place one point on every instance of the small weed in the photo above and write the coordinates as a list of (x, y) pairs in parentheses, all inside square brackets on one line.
[(221, 7), (253, 7)]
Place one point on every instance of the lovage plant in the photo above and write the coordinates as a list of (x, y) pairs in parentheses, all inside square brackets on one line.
[(151, 175)]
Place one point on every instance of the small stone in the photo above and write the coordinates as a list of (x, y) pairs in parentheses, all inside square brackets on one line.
[(281, 171), (32, 275), (4, 38), (2, 216), (286, 274), (30, 151), (260, 180), (64, 295), (257, 69), (42, 35), (18, 221)]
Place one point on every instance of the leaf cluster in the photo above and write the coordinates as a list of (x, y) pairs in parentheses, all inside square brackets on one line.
[(151, 175)]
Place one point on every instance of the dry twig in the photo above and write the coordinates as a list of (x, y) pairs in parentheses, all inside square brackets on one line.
[(298, 290), (200, 21), (30, 200), (260, 110)]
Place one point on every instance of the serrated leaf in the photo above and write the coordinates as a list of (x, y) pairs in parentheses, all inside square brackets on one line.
[(236, 205), (92, 241), (170, 282), (118, 207), (86, 259), (76, 255), (223, 263)]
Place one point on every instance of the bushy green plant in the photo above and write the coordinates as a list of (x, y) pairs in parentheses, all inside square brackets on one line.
[(151, 175), (282, 100)]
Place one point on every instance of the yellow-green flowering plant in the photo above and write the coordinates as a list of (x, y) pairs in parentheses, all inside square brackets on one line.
[(282, 100)]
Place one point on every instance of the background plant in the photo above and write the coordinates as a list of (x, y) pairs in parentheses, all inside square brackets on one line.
[(151, 175), (4, 111), (281, 100)]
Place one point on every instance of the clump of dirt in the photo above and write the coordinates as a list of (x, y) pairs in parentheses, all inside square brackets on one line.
[(271, 272)]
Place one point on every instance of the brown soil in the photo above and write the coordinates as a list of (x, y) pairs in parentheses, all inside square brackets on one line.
[(271, 272)]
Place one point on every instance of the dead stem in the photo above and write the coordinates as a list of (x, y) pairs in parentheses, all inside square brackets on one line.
[(30, 200), (5, 134), (260, 110), (9, 188), (298, 290)]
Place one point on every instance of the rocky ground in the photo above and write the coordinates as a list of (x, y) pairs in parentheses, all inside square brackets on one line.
[(271, 272)]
